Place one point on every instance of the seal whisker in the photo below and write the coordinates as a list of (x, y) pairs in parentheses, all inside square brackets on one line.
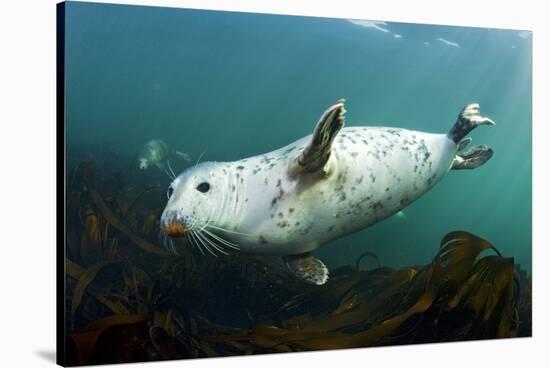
[(206, 246), (199, 159), (167, 173), (172, 247), (161, 233), (162, 238), (213, 244), (227, 230), (194, 240), (189, 241), (170, 168), (223, 241)]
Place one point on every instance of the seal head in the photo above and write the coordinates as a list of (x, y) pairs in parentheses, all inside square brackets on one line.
[(195, 200)]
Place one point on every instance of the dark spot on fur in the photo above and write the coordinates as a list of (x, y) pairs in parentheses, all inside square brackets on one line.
[(263, 240), (377, 205), (291, 210), (306, 230), (240, 167), (282, 224)]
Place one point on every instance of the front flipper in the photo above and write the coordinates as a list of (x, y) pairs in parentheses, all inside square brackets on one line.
[(317, 152), (307, 268), (473, 158)]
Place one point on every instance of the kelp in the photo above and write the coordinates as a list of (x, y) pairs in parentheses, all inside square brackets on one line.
[(88, 171), (129, 300), (412, 306)]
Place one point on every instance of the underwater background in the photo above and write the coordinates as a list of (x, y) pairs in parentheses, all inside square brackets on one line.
[(236, 85)]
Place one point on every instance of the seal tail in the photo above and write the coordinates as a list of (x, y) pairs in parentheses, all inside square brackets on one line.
[(468, 119)]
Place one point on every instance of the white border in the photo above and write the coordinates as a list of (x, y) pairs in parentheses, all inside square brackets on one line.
[(27, 151)]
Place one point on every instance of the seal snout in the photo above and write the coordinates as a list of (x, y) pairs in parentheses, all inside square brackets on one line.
[(175, 230)]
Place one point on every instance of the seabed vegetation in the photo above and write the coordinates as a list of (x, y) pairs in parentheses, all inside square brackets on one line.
[(129, 300)]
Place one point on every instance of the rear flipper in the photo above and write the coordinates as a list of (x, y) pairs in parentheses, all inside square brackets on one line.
[(473, 158), (468, 119), (307, 268)]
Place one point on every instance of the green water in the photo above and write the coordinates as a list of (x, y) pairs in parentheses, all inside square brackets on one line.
[(236, 85)]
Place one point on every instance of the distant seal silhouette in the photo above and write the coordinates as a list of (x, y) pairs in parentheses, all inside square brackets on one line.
[(157, 153), (324, 186)]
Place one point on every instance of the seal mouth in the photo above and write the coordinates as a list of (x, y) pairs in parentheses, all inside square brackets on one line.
[(175, 230)]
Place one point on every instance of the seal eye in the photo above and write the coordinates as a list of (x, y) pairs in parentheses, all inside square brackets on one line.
[(169, 192), (203, 187)]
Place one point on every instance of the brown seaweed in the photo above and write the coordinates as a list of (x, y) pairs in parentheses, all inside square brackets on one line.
[(455, 282), (113, 220), (129, 300)]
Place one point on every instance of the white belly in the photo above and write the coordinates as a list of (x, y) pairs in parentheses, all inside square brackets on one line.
[(376, 173)]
